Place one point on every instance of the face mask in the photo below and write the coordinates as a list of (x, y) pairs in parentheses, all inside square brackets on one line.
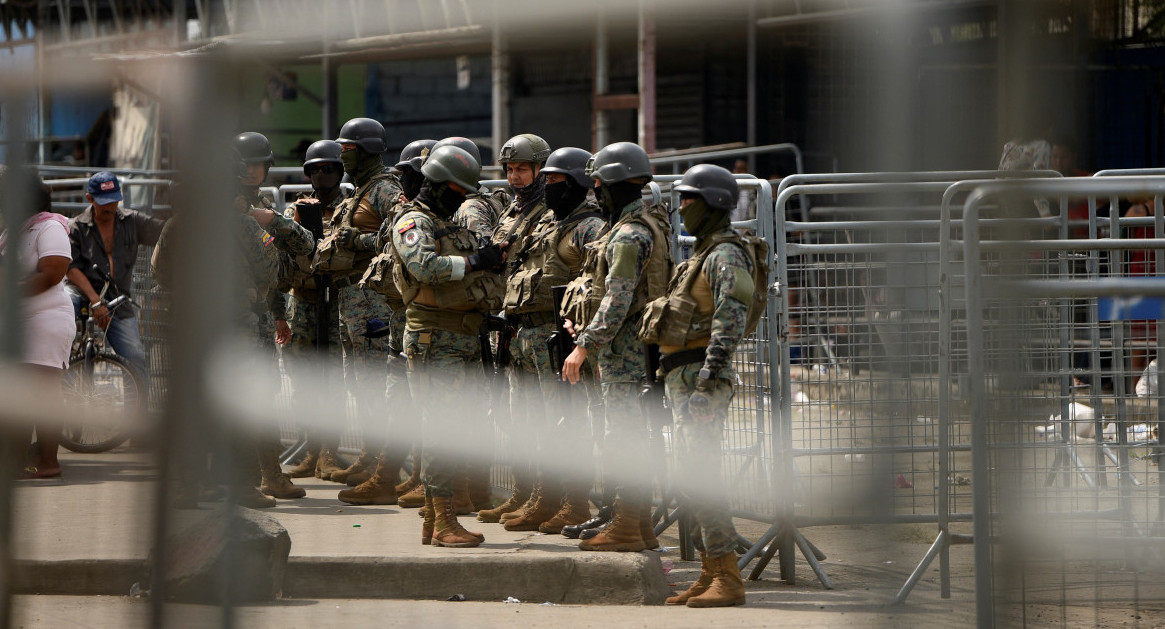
[(410, 182), (441, 199), (617, 196), (700, 220), (351, 161), (325, 180), (563, 197)]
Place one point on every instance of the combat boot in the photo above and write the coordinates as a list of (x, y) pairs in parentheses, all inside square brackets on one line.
[(462, 504), (428, 518), (366, 461), (522, 489), (697, 588), (646, 528), (545, 506), (602, 517), (359, 478), (727, 586), (306, 467), (576, 509), (253, 498), (328, 463), (413, 499), (622, 534), (535, 494), (275, 483), (411, 482), (447, 531), (377, 490), (479, 487)]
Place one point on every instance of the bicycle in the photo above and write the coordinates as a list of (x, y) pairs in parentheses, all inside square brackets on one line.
[(97, 386)]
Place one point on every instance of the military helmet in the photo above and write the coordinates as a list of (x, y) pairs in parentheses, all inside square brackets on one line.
[(365, 133), (322, 152), (619, 162), (452, 164), (253, 147), (712, 183), (526, 147), (572, 162), (464, 144), (414, 154)]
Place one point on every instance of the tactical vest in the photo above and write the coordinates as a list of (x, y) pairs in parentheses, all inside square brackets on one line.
[(455, 305), (540, 267), (379, 275), (303, 271), (682, 318), (330, 256), (585, 293)]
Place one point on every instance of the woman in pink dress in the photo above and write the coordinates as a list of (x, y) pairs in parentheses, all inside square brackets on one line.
[(43, 254)]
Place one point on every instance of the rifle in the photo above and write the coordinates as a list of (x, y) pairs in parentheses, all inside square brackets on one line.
[(559, 345), (496, 365), (311, 216), (652, 398)]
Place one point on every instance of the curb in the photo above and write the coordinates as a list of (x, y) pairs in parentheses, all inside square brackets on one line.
[(596, 579)]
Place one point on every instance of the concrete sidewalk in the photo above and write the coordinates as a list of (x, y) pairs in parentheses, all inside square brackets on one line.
[(91, 531)]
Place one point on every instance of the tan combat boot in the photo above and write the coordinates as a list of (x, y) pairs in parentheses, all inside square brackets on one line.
[(413, 499), (377, 490), (275, 483), (545, 506), (447, 531), (411, 482), (522, 490), (622, 534), (576, 509), (479, 487), (646, 528), (429, 517), (697, 588), (328, 463), (253, 498), (462, 504), (366, 461), (727, 586), (535, 494), (307, 467)]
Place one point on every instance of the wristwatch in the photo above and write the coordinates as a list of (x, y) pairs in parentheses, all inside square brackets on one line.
[(704, 380)]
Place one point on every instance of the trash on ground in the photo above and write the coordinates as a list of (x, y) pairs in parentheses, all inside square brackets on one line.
[(355, 526), (548, 604), (510, 599), (456, 598), (668, 565), (902, 483)]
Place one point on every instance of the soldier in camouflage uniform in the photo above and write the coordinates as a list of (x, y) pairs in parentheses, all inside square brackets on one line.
[(630, 268), (404, 426), (307, 356), (522, 157), (552, 256), (364, 314), (448, 282), (482, 209), (698, 325)]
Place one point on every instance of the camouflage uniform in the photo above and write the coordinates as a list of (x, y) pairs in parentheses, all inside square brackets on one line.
[(365, 358), (441, 344), (479, 213), (635, 262), (722, 293)]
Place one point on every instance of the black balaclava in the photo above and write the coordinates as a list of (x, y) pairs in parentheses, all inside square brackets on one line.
[(563, 197), (410, 182), (440, 198), (362, 166), (617, 196), (527, 196), (326, 186)]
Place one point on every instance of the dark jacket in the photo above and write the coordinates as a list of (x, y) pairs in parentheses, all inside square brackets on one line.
[(130, 229)]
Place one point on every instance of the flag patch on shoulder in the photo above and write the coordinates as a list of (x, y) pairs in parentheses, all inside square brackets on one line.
[(267, 239), (406, 225)]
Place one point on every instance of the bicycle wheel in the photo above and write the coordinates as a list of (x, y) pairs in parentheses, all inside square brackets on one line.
[(105, 388)]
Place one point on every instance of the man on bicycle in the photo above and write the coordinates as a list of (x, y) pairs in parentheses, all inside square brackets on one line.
[(108, 235)]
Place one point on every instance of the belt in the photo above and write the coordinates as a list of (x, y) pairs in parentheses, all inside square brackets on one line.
[(344, 281), (678, 359), (531, 319)]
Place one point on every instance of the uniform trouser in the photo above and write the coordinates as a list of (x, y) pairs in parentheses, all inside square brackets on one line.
[(445, 380), (404, 422), (697, 456), (365, 358), (316, 375), (626, 463), (532, 405)]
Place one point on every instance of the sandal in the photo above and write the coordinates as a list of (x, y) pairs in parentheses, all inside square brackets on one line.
[(33, 471)]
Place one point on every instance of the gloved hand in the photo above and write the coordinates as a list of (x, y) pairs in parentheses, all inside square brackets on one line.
[(700, 403), (351, 238), (489, 258)]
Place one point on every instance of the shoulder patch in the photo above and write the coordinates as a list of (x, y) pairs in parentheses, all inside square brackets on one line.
[(412, 237), (742, 286), (623, 258), (404, 226), (266, 239)]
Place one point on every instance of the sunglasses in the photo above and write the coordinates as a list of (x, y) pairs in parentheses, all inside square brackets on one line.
[(326, 169)]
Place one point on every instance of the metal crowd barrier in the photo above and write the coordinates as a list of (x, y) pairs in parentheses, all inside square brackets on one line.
[(1068, 509)]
